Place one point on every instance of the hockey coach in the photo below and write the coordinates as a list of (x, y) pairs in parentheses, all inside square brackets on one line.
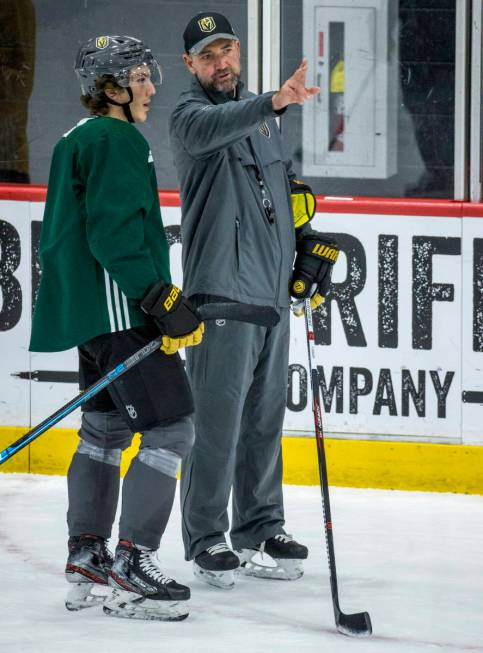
[(244, 218)]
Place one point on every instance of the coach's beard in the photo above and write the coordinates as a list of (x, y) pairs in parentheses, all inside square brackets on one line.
[(225, 82)]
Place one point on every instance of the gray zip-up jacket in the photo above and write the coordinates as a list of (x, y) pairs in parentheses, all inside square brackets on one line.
[(231, 248)]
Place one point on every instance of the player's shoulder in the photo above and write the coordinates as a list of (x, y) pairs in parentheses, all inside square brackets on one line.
[(84, 126), (110, 134), (95, 127)]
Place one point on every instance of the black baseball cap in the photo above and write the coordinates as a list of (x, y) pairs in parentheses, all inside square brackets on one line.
[(204, 28)]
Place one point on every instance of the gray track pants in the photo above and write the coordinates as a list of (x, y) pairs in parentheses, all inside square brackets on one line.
[(238, 378)]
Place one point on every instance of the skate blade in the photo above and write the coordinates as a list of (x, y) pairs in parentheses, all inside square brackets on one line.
[(261, 565), (85, 595), (129, 605), (224, 580)]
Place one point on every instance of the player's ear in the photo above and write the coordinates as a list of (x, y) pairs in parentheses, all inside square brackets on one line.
[(112, 92)]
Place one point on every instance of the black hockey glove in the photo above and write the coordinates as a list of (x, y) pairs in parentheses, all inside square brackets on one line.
[(313, 266), (303, 203), (174, 315)]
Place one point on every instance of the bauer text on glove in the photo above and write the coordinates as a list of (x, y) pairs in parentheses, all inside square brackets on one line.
[(174, 315)]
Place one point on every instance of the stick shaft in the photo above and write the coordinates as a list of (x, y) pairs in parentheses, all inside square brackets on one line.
[(322, 463)]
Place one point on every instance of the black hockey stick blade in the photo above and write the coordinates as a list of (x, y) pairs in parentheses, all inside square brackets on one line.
[(354, 625), (265, 316)]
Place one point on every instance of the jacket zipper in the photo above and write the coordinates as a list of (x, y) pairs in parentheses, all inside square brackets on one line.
[(237, 243)]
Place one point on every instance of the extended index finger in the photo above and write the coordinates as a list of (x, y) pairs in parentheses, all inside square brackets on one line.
[(301, 70)]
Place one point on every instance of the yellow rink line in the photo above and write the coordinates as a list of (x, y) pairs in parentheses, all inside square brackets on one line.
[(351, 463)]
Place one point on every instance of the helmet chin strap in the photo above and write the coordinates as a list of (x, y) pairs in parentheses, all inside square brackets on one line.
[(125, 105)]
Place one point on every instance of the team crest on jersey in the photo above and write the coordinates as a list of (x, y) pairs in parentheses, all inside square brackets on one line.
[(264, 130), (207, 24), (102, 42)]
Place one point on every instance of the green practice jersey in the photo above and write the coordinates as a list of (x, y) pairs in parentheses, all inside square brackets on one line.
[(102, 243)]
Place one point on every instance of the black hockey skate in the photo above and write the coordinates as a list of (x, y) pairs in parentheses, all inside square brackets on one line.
[(141, 589), (87, 569), (216, 566), (280, 557)]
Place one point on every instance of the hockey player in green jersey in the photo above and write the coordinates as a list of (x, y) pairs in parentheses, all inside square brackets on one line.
[(106, 288)]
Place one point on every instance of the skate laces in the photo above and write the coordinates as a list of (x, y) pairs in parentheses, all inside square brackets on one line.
[(105, 554), (91, 542), (284, 538), (281, 537), (149, 563), (222, 547)]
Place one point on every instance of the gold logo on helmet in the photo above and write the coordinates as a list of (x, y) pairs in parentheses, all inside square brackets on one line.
[(207, 24), (102, 42), (298, 287)]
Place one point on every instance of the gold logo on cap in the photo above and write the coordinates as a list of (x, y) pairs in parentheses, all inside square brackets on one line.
[(102, 42), (207, 24)]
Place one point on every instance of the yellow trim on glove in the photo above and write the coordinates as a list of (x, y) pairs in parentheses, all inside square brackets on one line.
[(315, 301), (303, 203), (171, 345)]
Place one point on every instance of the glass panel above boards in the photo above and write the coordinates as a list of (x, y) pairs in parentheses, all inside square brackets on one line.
[(39, 92), (383, 123)]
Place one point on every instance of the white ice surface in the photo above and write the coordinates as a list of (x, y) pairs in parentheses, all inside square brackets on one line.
[(414, 561)]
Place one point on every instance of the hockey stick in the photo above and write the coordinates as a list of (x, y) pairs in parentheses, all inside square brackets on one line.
[(358, 624), (259, 315)]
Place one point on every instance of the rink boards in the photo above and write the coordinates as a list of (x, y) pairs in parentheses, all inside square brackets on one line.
[(399, 346)]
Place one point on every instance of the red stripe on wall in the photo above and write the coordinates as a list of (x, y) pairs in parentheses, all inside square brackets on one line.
[(321, 44), (325, 204), (390, 206), (472, 210), (23, 192), (32, 193)]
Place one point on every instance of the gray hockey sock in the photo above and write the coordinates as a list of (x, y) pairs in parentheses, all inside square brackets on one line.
[(93, 489), (147, 497)]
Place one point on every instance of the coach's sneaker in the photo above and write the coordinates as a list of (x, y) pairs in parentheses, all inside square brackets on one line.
[(280, 557), (141, 590), (87, 570), (216, 566)]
